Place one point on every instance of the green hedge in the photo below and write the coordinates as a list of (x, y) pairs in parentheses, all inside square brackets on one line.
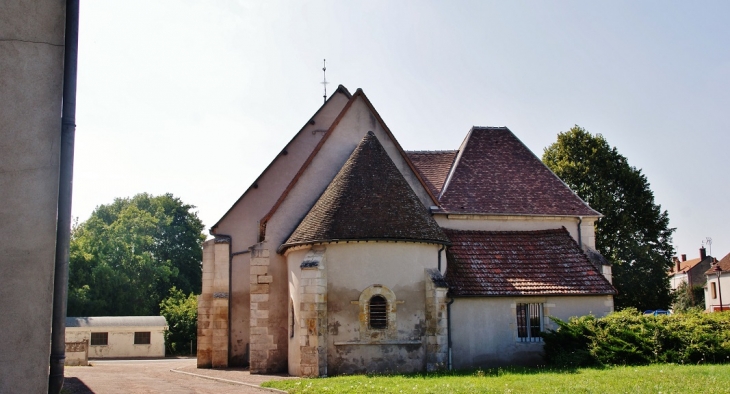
[(631, 338)]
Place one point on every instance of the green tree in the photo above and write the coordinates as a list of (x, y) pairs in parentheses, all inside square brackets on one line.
[(634, 234), (685, 298), (129, 253), (181, 313)]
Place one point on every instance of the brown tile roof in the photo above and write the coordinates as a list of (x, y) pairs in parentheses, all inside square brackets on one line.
[(724, 265), (434, 166), (369, 199), (685, 266), (495, 173), (508, 263)]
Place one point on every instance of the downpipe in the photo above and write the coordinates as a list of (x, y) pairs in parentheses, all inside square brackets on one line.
[(65, 191)]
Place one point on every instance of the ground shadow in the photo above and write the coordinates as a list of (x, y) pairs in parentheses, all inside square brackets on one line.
[(75, 386)]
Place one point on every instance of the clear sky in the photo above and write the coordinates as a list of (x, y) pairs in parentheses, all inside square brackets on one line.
[(195, 98)]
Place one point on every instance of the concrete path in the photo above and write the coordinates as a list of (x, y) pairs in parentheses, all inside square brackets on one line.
[(161, 376)]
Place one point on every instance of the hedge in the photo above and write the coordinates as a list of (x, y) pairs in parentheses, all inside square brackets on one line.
[(631, 338)]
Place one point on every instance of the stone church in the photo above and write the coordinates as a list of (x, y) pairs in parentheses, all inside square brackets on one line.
[(349, 254)]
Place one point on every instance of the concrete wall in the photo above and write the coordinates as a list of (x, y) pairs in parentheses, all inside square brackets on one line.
[(522, 223), (484, 329), (120, 341), (355, 267), (31, 79)]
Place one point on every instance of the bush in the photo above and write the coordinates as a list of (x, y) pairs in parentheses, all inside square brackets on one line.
[(181, 314), (630, 338)]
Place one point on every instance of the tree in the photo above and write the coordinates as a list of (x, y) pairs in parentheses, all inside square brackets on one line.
[(686, 298), (634, 234), (126, 257), (181, 313)]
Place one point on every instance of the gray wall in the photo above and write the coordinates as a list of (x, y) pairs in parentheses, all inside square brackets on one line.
[(31, 79)]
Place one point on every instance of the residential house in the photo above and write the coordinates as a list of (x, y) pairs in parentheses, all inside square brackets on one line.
[(349, 254), (718, 280), (690, 271)]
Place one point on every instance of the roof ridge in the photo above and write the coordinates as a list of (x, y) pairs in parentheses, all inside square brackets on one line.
[(432, 151)]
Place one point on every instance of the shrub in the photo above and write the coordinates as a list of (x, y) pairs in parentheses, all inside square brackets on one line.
[(181, 313), (630, 338)]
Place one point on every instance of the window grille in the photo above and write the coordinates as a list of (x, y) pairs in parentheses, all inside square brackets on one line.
[(99, 338), (142, 338), (378, 312), (529, 322)]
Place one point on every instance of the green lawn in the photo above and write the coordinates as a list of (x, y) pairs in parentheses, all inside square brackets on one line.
[(666, 378)]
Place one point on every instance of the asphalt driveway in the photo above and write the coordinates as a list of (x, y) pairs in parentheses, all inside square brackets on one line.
[(160, 376)]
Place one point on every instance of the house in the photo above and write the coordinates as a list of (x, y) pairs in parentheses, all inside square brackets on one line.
[(690, 271), (349, 254), (118, 336), (718, 279)]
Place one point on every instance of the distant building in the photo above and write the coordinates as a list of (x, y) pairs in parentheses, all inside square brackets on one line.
[(350, 255), (119, 336), (717, 290), (690, 271)]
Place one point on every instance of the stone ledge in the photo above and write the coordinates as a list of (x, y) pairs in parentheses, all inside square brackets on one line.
[(381, 343)]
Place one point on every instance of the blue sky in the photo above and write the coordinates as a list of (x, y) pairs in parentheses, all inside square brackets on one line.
[(196, 98)]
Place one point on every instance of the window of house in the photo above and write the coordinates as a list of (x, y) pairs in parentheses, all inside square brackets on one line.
[(529, 322), (378, 313), (99, 338), (713, 290), (142, 338)]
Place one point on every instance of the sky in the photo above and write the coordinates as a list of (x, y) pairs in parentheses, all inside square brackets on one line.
[(195, 98)]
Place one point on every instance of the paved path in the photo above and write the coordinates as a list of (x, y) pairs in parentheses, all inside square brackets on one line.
[(160, 376)]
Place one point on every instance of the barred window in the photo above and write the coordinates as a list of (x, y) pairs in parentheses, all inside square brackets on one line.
[(99, 338), (529, 322), (142, 338), (378, 312)]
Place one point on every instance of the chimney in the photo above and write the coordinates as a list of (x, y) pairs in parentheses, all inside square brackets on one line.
[(703, 253), (684, 257)]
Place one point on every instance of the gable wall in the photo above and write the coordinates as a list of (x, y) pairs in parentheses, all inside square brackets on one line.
[(332, 156), (241, 222)]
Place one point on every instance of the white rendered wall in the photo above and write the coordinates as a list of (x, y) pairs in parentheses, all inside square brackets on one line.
[(484, 329), (120, 341)]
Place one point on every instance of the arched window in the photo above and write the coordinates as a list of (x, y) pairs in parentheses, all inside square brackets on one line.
[(378, 313)]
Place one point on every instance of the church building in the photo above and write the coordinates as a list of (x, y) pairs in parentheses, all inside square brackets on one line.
[(349, 254)]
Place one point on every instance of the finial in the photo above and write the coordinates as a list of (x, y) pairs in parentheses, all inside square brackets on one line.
[(324, 72)]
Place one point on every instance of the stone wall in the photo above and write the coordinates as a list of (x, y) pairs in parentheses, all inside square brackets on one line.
[(262, 341), (213, 338), (313, 315), (437, 347)]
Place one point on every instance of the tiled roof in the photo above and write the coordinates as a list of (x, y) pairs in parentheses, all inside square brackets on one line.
[(724, 265), (685, 266), (369, 199), (495, 173), (434, 166), (508, 263)]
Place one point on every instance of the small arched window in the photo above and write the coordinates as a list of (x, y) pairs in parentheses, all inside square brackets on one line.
[(378, 312)]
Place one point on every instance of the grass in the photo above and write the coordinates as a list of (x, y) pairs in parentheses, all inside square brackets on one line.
[(660, 378)]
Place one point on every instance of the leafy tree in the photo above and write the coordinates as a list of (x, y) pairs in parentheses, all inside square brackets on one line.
[(634, 234), (129, 253), (686, 298), (181, 313)]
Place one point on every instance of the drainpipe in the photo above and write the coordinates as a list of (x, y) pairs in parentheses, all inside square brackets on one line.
[(65, 189), (448, 333), (441, 250), (580, 237)]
